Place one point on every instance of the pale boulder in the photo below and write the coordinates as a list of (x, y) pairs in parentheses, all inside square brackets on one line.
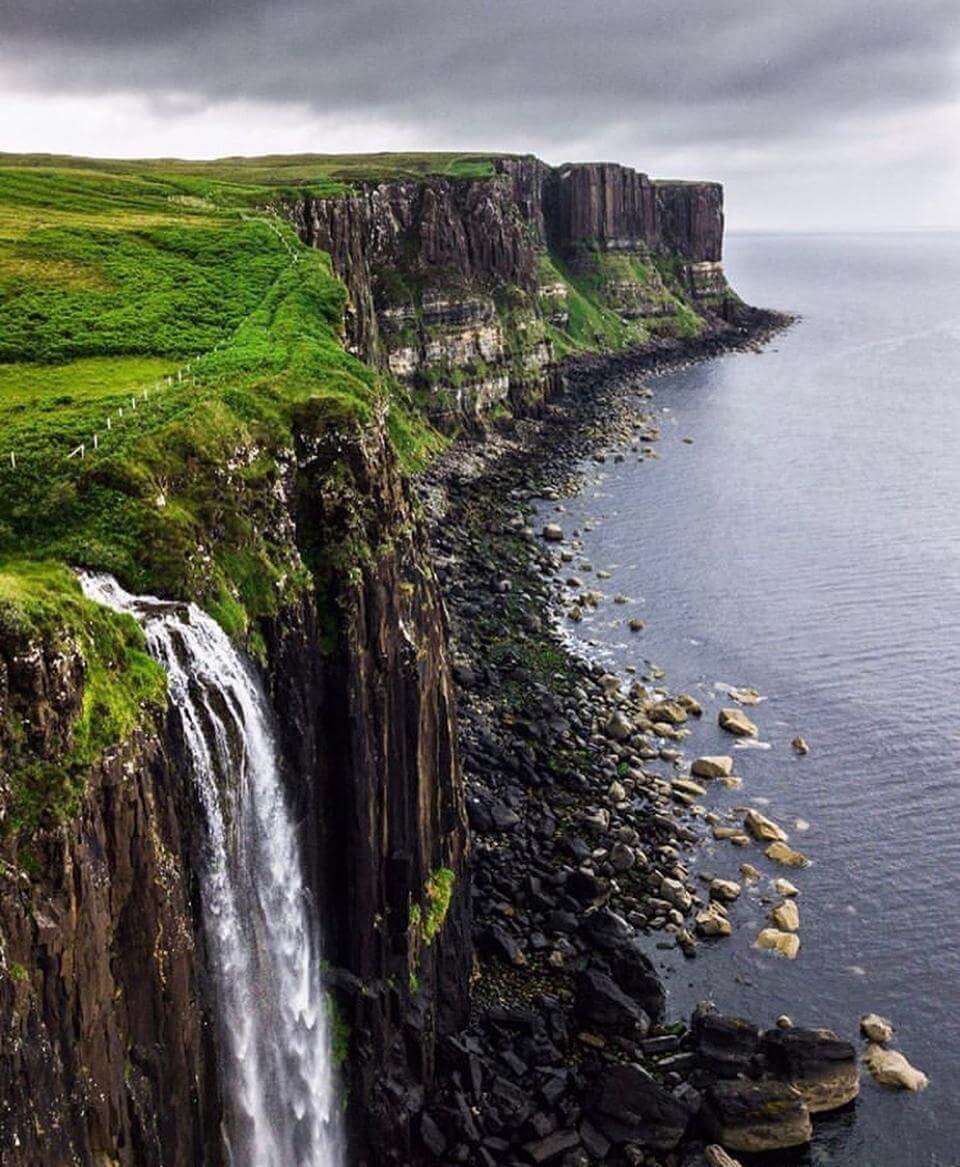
[(724, 889), (712, 766), (784, 887), (786, 916), (891, 1068), (712, 922), (781, 853), (735, 721), (876, 1029), (762, 828), (784, 943)]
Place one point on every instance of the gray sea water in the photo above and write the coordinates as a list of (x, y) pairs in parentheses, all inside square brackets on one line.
[(808, 543)]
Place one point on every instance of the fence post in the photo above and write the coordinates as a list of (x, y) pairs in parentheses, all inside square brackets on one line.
[(13, 459)]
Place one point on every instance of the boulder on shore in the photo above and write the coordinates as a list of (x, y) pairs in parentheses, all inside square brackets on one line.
[(756, 1116), (786, 916), (726, 1046), (712, 922), (553, 533), (876, 1028), (816, 1063), (603, 1005), (891, 1068), (784, 943), (631, 1107), (782, 853), (763, 829), (735, 721), (712, 766)]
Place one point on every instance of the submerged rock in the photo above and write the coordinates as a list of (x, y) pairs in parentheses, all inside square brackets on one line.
[(782, 853), (816, 1063), (735, 721), (799, 744), (891, 1068), (756, 1116)]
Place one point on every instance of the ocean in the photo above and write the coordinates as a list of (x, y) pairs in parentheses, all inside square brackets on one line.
[(807, 543)]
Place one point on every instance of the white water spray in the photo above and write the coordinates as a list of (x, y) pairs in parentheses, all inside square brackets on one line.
[(277, 1078)]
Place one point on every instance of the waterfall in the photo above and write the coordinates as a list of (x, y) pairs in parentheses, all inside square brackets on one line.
[(278, 1082)]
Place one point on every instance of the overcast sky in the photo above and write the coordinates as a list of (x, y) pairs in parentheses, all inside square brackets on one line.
[(814, 113)]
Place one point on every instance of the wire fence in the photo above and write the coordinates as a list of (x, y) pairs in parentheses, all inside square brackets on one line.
[(133, 407)]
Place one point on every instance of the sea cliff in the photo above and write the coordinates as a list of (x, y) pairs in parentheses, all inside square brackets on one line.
[(271, 483)]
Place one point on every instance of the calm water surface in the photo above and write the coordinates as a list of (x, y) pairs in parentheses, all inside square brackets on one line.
[(808, 543)]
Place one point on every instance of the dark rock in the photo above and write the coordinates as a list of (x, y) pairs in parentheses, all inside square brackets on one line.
[(553, 1145), (602, 1005), (756, 1116), (816, 1063), (630, 1107), (726, 1046)]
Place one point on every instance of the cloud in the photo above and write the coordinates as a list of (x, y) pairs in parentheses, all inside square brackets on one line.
[(647, 78)]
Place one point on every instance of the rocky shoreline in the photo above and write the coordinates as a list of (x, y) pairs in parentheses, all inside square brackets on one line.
[(577, 793)]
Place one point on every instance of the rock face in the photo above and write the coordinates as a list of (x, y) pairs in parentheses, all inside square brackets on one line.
[(108, 1053), (453, 281), (104, 1038)]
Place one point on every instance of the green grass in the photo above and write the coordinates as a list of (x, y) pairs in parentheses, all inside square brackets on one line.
[(42, 601)]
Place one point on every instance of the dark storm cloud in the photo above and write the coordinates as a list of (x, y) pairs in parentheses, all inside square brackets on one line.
[(679, 70)]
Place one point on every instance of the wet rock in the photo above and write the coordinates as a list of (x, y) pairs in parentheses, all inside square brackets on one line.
[(712, 922), (631, 1107), (876, 1028), (622, 857), (673, 891), (488, 815), (782, 853), (891, 1068), (618, 726), (726, 1046), (784, 887), (749, 872), (800, 745), (712, 766), (716, 1156), (553, 533), (816, 1063), (724, 889), (756, 1116), (549, 1148), (762, 828), (786, 916), (784, 1022), (783, 943), (635, 624), (602, 1005), (672, 712), (499, 943), (735, 721), (746, 695)]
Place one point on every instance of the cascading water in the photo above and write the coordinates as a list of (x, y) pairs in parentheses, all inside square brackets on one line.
[(277, 1077)]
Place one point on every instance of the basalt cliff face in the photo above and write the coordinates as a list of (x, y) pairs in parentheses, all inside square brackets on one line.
[(108, 1048), (472, 291)]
